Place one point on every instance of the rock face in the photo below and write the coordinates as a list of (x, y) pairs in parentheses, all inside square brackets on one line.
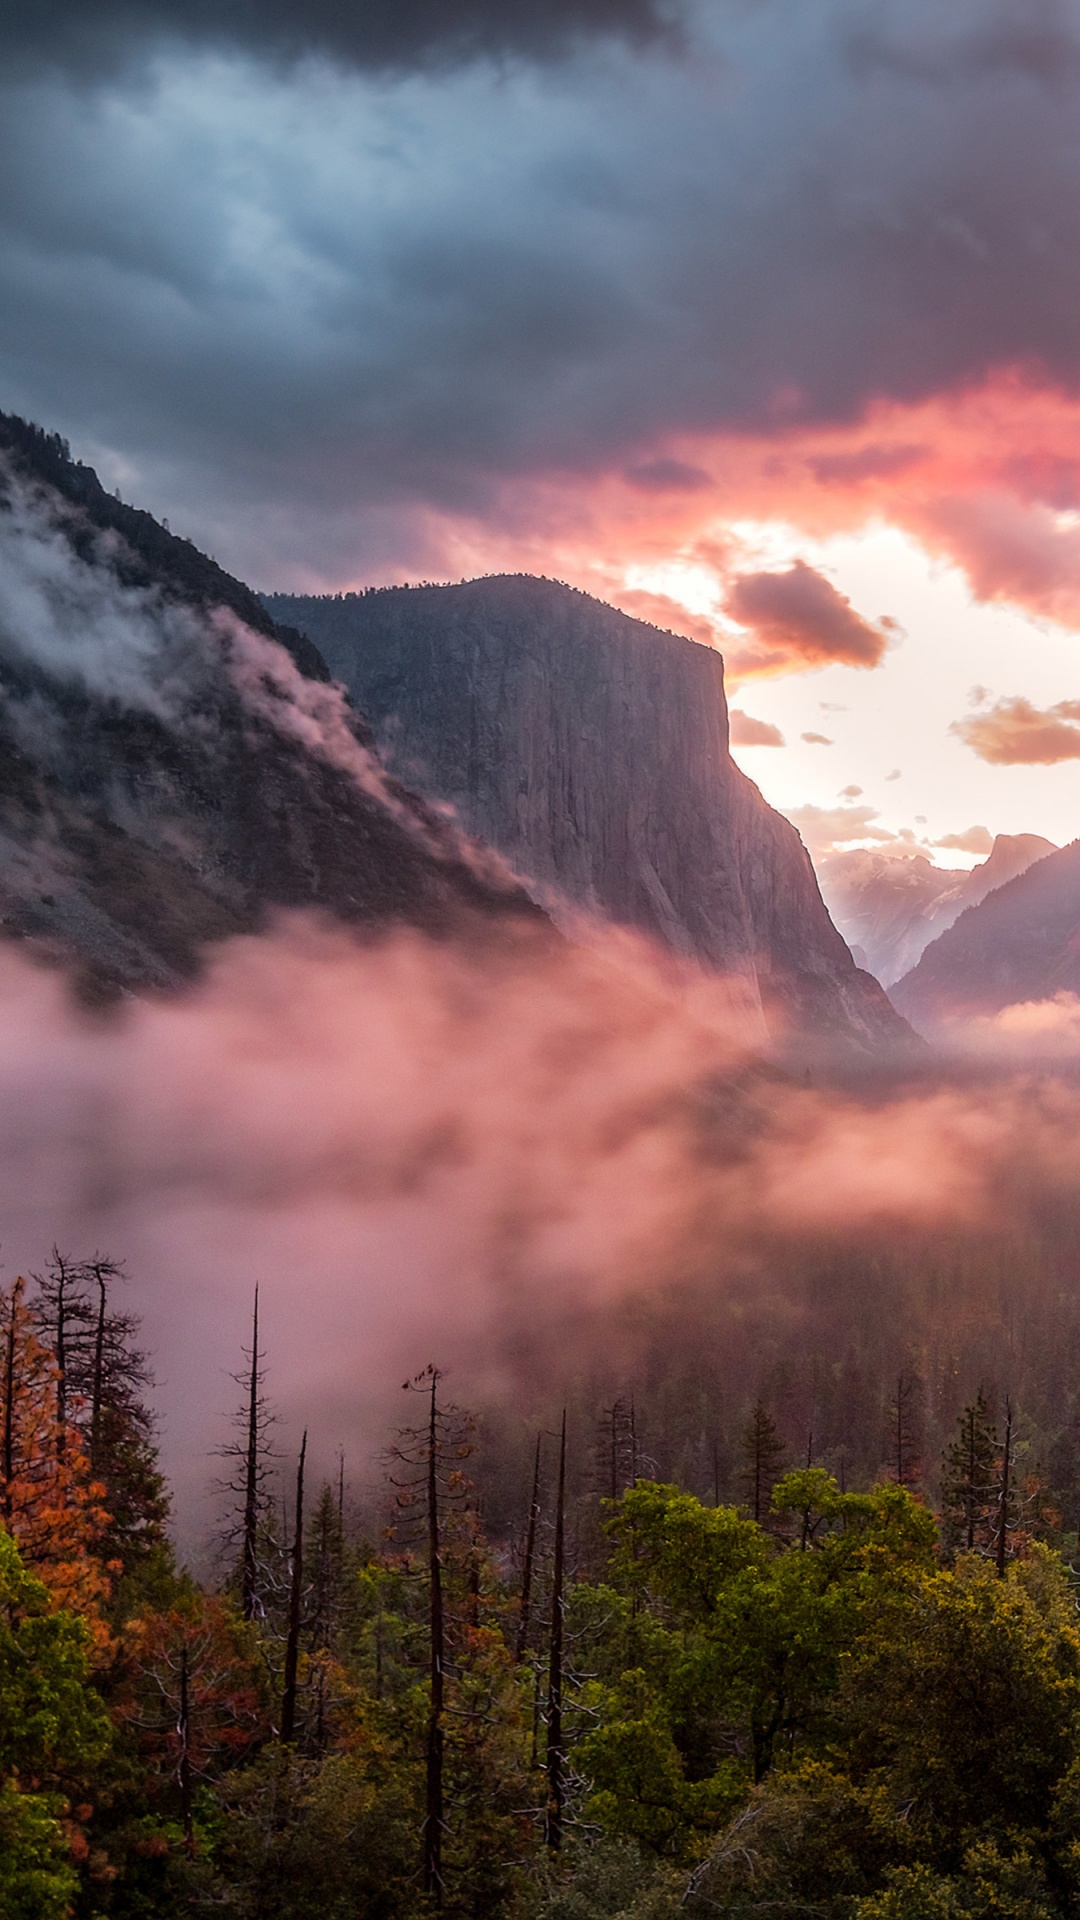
[(173, 764), (1021, 943), (592, 750), (890, 908)]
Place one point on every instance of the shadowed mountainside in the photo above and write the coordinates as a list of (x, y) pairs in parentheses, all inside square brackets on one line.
[(167, 773), (592, 750), (1021, 943), (891, 908)]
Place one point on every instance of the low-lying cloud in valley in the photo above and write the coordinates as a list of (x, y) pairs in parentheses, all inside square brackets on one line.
[(436, 1150)]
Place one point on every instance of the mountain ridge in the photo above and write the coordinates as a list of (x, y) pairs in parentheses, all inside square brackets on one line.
[(175, 765), (890, 907), (1021, 943)]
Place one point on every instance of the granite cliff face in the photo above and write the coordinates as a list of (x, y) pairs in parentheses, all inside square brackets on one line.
[(1021, 943), (592, 750), (173, 765)]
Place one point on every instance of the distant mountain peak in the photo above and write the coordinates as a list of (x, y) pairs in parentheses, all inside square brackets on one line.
[(1019, 941), (893, 905)]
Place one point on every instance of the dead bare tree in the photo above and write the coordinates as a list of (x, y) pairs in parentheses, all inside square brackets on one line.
[(1001, 1544), (527, 1565), (431, 1480), (553, 1826), (61, 1318), (294, 1618), (9, 1399), (249, 1484)]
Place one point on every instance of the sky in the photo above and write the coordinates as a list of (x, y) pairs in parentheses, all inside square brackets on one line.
[(756, 317)]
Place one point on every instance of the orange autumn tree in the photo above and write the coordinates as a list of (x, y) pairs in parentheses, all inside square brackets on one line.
[(192, 1693), (50, 1501)]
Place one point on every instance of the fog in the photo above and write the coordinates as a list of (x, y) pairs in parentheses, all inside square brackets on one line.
[(462, 1153)]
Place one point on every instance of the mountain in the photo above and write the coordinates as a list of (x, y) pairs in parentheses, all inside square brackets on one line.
[(889, 908), (592, 751), (1022, 942), (173, 763)]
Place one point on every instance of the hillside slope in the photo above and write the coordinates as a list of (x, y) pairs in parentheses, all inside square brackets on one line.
[(1021, 943), (173, 765), (890, 908)]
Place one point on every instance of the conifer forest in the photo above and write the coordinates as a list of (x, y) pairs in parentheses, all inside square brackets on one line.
[(811, 1646)]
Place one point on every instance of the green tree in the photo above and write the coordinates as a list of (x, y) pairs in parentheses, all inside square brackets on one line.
[(763, 1455), (53, 1730), (970, 1482)]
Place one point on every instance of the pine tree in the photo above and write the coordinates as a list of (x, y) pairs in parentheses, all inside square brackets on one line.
[(970, 1482), (763, 1455), (102, 1378), (905, 1430), (556, 1757)]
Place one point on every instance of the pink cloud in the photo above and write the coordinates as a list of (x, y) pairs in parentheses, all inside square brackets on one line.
[(798, 619), (1013, 733)]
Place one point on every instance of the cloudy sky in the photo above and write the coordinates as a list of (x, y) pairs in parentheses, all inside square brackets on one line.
[(758, 317)]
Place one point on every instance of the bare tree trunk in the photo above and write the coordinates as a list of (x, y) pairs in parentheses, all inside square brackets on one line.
[(97, 1389), (556, 1786), (296, 1588), (969, 1495), (183, 1728), (9, 1403), (248, 1561), (1003, 1498), (804, 1535), (433, 1817), (530, 1553), (61, 1352)]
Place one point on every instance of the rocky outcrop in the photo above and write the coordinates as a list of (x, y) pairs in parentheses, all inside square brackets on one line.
[(592, 750), (890, 907), (1021, 943), (173, 764)]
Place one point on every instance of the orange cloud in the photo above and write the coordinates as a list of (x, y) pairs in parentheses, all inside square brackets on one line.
[(745, 731), (798, 619), (1013, 733), (816, 739), (986, 478)]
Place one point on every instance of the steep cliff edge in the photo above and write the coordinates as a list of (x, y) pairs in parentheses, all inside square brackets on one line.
[(592, 750), (173, 765)]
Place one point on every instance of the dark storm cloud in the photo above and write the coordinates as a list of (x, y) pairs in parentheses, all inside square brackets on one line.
[(305, 308), (98, 37)]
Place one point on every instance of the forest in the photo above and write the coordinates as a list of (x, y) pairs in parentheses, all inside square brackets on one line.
[(627, 1659)]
